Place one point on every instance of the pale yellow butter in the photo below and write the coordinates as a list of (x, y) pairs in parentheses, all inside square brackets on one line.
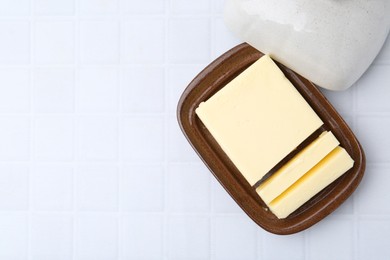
[(325, 172), (258, 119), (297, 167)]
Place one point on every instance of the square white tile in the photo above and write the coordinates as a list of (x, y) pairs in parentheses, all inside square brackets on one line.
[(372, 133), (369, 230), (142, 188), (15, 42), (191, 7), (54, 7), (146, 7), (142, 236), (52, 187), (51, 236), (234, 238), (53, 138), (15, 90), (143, 139), (12, 7), (98, 90), (373, 90), (15, 138), (97, 138), (96, 187), (13, 235), (373, 192), (277, 247), (219, 5), (99, 42), (142, 90), (53, 90), (142, 46), (14, 182), (188, 188), (54, 42), (194, 34), (98, 6), (96, 237), (188, 237), (332, 232)]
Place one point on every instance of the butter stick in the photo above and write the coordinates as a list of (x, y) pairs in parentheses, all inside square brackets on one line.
[(297, 167), (325, 172)]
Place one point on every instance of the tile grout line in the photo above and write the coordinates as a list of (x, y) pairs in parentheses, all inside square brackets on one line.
[(306, 243), (262, 240), (259, 242), (76, 37), (72, 114), (108, 16), (134, 163), (119, 137), (143, 65), (31, 121), (179, 214), (155, 213), (165, 228)]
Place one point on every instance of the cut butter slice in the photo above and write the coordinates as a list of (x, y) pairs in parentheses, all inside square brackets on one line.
[(325, 172), (297, 166), (258, 118)]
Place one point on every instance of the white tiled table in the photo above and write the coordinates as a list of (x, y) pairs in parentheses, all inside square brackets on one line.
[(93, 165)]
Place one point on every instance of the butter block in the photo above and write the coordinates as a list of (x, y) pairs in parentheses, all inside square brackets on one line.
[(297, 167), (335, 164), (258, 118)]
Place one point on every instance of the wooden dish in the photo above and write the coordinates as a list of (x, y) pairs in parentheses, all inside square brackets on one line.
[(216, 76)]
